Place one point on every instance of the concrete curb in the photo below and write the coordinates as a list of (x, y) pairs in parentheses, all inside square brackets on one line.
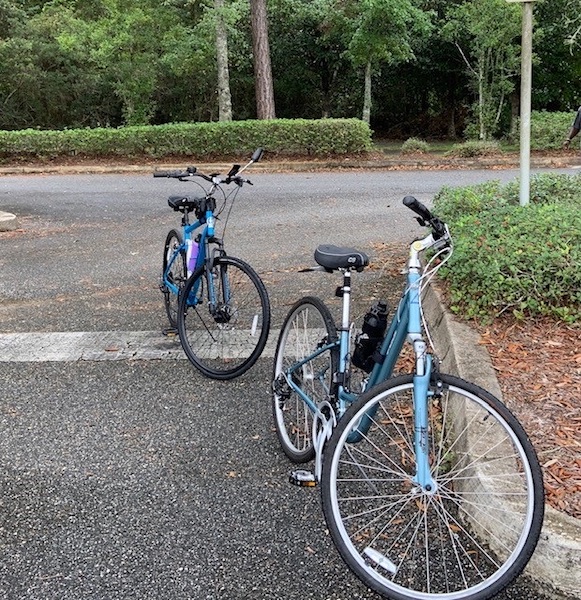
[(8, 221), (146, 165), (556, 560)]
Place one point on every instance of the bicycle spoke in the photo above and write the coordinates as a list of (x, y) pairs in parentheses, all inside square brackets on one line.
[(226, 340), (472, 531), (300, 371)]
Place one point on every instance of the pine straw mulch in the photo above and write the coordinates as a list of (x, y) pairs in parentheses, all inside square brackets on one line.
[(538, 366)]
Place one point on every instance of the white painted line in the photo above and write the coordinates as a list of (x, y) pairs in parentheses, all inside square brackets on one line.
[(99, 345), (95, 345), (8, 221)]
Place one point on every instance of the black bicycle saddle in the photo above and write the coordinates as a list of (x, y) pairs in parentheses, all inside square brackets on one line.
[(183, 203), (334, 257)]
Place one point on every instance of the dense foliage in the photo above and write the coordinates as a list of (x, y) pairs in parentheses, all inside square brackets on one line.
[(415, 146), (511, 258), (433, 69), (321, 137), (548, 130)]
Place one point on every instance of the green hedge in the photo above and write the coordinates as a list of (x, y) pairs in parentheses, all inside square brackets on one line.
[(473, 149), (549, 130), (278, 137), (508, 258)]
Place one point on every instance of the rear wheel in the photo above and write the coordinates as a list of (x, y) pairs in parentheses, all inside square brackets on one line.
[(307, 328), (469, 537), (174, 278), (223, 331)]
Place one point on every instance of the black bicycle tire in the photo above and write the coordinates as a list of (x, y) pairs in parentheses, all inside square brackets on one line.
[(536, 511), (200, 364), (295, 455), (168, 297)]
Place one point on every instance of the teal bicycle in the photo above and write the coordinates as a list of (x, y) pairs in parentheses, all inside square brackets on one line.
[(430, 487), (217, 303)]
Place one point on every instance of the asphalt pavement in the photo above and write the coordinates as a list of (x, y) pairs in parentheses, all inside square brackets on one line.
[(135, 479), (139, 478), (142, 479)]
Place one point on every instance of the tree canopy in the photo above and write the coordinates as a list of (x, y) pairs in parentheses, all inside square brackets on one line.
[(412, 67)]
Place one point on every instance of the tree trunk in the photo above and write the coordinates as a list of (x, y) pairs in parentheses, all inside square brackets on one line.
[(482, 135), (262, 68), (367, 94), (224, 97), (514, 115), (451, 107)]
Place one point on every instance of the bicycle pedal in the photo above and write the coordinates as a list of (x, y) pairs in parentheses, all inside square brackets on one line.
[(169, 331), (303, 478)]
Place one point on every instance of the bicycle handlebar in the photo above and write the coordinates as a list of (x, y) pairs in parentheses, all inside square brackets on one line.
[(426, 217), (215, 178), (415, 205)]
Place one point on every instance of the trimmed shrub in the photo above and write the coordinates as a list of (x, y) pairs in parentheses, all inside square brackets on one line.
[(203, 140), (455, 202), (511, 258), (472, 149), (549, 130), (415, 146)]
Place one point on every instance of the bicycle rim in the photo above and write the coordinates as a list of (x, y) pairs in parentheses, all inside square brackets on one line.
[(470, 538), (224, 338), (307, 327), (176, 275)]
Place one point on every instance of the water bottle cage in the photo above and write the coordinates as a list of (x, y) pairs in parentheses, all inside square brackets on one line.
[(204, 205), (366, 352), (377, 357), (341, 379)]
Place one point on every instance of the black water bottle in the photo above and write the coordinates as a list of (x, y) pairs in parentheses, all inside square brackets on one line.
[(372, 332)]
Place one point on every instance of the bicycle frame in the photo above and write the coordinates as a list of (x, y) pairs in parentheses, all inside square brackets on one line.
[(204, 258), (205, 237), (405, 325)]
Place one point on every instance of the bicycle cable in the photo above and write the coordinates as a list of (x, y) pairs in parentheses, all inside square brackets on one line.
[(427, 276), (234, 195)]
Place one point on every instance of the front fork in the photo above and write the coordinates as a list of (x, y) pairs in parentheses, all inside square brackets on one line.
[(423, 373), (194, 299), (216, 303)]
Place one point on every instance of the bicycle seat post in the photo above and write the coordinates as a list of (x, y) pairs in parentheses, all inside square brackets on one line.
[(345, 293)]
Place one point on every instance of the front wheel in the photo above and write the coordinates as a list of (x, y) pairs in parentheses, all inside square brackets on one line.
[(469, 537), (304, 364), (224, 318)]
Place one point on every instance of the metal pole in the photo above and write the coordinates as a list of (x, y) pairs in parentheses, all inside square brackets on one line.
[(525, 102)]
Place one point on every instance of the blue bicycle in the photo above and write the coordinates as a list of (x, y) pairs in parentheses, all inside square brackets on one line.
[(217, 303), (430, 486)]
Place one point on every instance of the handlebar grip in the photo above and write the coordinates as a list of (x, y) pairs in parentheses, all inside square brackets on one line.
[(257, 155), (415, 205), (171, 174), (175, 174)]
